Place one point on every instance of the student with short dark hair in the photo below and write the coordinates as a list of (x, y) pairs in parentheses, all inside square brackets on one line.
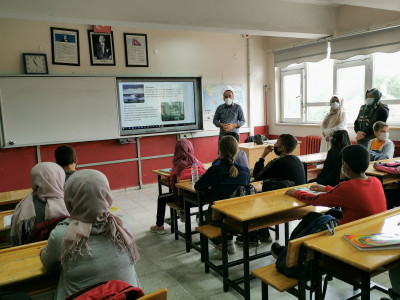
[(380, 147), (359, 197), (66, 157), (286, 166)]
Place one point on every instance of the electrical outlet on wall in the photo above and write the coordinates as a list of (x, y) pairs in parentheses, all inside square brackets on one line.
[(186, 135)]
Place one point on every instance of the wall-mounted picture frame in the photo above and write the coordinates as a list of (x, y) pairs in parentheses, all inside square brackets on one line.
[(101, 47), (65, 46), (136, 50)]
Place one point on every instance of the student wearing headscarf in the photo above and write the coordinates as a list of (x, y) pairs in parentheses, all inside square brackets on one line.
[(334, 120), (93, 245), (181, 169), (44, 203), (373, 110)]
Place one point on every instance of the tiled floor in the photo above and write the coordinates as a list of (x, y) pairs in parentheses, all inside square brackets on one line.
[(165, 263)]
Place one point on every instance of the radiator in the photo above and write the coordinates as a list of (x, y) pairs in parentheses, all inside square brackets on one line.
[(313, 143)]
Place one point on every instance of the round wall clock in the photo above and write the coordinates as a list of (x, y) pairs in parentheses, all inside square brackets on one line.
[(35, 63)]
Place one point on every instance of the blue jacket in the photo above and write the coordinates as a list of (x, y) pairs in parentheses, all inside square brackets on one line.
[(222, 186)]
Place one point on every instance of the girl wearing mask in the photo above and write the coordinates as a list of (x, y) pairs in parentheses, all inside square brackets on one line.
[(373, 110), (333, 121), (380, 147)]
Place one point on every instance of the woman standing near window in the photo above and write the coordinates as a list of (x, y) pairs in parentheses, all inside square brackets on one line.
[(335, 120), (373, 110)]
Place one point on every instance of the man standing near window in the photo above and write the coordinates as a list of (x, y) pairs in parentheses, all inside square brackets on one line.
[(229, 116)]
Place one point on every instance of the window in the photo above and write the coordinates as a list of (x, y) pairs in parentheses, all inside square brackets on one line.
[(307, 88), (387, 79)]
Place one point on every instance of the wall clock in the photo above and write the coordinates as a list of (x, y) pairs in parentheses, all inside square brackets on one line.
[(35, 63)]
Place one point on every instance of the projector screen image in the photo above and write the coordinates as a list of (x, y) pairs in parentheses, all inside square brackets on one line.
[(159, 105)]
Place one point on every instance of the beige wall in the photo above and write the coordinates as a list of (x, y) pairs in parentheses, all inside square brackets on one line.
[(219, 58)]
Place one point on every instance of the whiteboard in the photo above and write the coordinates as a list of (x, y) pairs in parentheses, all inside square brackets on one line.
[(57, 109)]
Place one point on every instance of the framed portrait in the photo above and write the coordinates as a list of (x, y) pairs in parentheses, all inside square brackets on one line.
[(101, 47), (65, 46), (136, 50)]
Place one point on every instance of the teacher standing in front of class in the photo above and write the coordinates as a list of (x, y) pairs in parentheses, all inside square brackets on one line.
[(228, 116)]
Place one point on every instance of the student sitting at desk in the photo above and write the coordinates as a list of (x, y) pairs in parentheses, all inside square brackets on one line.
[(359, 197), (43, 204), (66, 157), (241, 157), (380, 147), (181, 169), (286, 166), (93, 245), (330, 174), (223, 179)]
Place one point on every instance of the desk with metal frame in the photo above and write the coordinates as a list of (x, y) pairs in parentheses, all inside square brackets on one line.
[(266, 208), (314, 158), (349, 260)]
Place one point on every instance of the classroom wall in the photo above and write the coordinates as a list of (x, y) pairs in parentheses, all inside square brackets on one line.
[(219, 58)]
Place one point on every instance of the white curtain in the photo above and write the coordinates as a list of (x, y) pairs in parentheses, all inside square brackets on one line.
[(384, 40), (302, 53)]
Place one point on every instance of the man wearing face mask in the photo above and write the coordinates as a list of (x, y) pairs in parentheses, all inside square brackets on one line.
[(380, 147), (285, 167), (229, 116), (373, 110)]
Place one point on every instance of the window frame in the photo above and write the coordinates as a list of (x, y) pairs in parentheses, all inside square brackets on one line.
[(292, 70)]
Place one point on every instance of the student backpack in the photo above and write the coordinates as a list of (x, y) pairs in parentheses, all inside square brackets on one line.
[(276, 184), (110, 290), (311, 223)]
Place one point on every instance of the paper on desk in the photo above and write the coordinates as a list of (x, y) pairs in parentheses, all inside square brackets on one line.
[(307, 190), (7, 220)]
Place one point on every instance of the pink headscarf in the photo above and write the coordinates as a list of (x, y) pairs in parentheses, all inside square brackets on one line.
[(88, 199), (183, 156), (47, 181)]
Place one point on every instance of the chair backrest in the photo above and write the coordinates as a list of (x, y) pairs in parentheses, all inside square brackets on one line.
[(157, 295)]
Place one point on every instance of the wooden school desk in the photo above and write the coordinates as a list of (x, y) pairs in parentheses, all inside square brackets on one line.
[(255, 212), (22, 270), (12, 197), (254, 152), (192, 197), (309, 159), (349, 260), (384, 177), (4, 229)]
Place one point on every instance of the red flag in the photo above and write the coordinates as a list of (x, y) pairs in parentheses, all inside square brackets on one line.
[(101, 28), (135, 42)]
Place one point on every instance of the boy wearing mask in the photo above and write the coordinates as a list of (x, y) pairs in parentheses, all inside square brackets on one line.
[(380, 147)]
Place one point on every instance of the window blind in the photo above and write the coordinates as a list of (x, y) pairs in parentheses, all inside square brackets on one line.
[(302, 53), (380, 40)]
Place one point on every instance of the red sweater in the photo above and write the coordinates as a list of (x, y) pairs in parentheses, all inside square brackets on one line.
[(358, 198), (186, 173)]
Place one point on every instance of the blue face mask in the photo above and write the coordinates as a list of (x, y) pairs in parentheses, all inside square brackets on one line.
[(344, 172)]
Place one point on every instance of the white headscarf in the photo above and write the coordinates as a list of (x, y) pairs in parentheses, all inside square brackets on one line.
[(88, 199), (47, 181)]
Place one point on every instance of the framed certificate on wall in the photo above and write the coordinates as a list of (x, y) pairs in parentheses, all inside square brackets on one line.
[(136, 50)]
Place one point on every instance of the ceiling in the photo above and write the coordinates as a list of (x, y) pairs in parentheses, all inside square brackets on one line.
[(309, 19)]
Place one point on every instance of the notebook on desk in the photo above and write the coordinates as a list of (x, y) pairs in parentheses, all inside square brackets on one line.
[(167, 170), (7, 220), (375, 241)]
